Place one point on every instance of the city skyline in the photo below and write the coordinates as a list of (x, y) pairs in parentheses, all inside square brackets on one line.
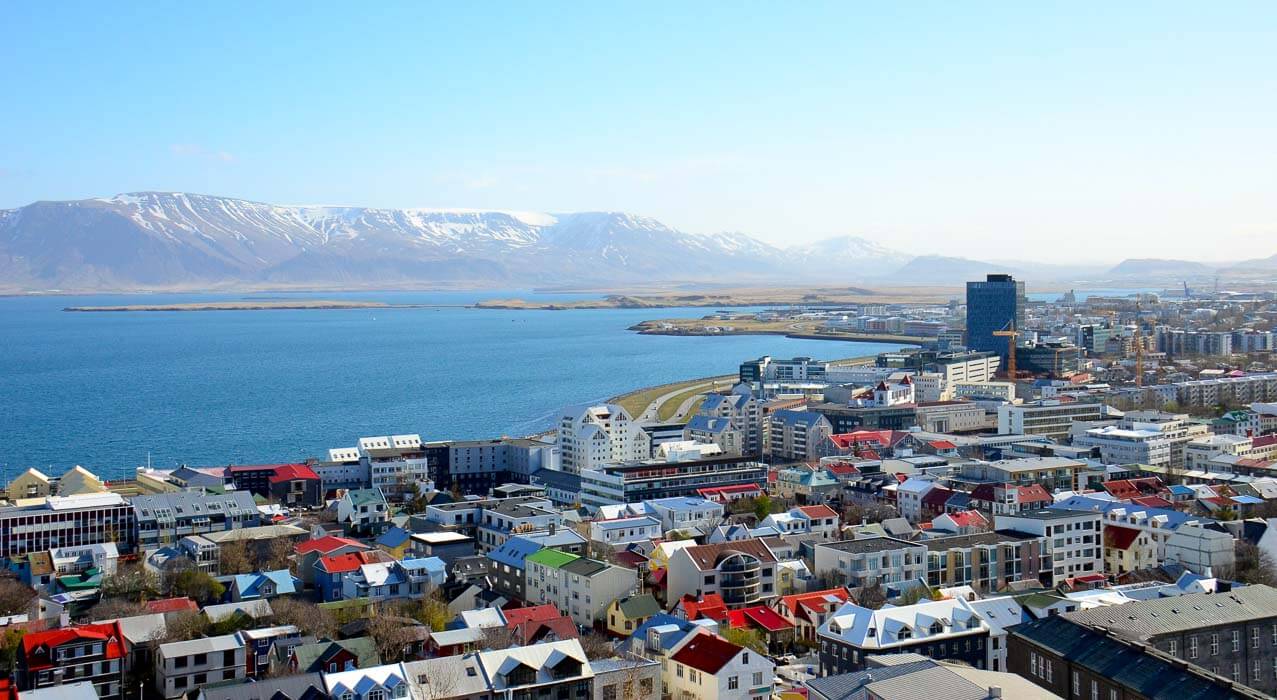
[(979, 134)]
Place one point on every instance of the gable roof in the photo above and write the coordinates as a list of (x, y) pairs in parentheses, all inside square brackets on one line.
[(327, 543), (108, 632), (758, 616), (707, 556), (707, 652), (639, 606)]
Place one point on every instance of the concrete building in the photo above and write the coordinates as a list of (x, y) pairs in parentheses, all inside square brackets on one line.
[(1050, 417), (1074, 543), (743, 572), (870, 560), (94, 653), (592, 436), (166, 518), (1052, 473), (579, 587), (795, 436), (995, 304), (744, 415), (67, 521), (653, 479), (183, 667)]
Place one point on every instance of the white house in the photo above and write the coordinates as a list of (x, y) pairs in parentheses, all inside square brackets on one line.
[(625, 530), (704, 665), (383, 682)]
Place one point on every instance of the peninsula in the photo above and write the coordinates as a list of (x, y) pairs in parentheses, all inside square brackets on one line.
[(246, 306)]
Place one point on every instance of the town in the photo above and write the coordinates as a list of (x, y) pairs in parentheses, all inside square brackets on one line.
[(1074, 498)]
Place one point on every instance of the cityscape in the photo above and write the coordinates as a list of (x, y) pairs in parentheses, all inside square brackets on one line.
[(661, 351)]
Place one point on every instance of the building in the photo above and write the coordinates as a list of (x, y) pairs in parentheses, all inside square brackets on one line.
[(986, 561), (581, 588), (624, 615), (363, 510), (956, 629), (94, 653), (655, 479), (1051, 473), (627, 677), (704, 665), (506, 563), (557, 669), (744, 416), (1073, 660), (622, 531), (909, 676), (67, 521), (183, 667), (795, 436), (1074, 544), (686, 513), (296, 486), (385, 682), (871, 560), (396, 464), (592, 436), (743, 572), (500, 519), (993, 305), (165, 518), (31, 483), (393, 580), (1048, 417), (1145, 437), (478, 466)]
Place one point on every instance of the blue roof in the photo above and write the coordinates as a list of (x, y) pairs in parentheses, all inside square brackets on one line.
[(1181, 490), (677, 502), (708, 424), (514, 551), (623, 523), (394, 537), (713, 401), (797, 417), (655, 621), (1249, 500), (249, 585), (433, 565), (1174, 518)]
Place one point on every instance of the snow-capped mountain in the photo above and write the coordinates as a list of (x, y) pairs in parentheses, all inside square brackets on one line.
[(158, 240)]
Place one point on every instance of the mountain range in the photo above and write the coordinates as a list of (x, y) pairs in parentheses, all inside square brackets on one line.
[(162, 240)]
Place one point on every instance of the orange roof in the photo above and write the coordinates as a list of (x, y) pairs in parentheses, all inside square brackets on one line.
[(327, 543), (166, 605), (821, 511), (758, 616), (710, 605)]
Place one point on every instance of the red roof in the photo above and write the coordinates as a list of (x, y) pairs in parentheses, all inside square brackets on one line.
[(1264, 440), (1153, 502), (821, 511), (937, 497), (818, 601), (327, 543), (841, 469), (1120, 537), (532, 613), (758, 616), (38, 647), (167, 605), (290, 472), (943, 445), (710, 605), (342, 563), (1034, 493), (733, 488), (968, 518), (707, 652), (562, 627)]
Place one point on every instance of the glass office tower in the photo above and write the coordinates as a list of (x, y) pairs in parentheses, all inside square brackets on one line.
[(991, 306)]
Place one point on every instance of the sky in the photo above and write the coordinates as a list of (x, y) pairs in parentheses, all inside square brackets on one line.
[(1007, 131)]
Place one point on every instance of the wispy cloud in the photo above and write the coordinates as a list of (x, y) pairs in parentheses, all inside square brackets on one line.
[(194, 150)]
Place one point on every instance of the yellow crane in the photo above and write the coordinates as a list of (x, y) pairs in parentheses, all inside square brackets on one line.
[(1010, 333)]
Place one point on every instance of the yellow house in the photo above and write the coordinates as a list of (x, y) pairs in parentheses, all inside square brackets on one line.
[(31, 483), (792, 577), (1127, 549), (625, 615), (394, 542), (660, 557), (78, 481)]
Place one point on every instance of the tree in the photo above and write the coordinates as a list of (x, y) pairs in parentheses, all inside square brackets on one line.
[(440, 681), (180, 626), (500, 637), (597, 646), (745, 637), (871, 596), (15, 596), (234, 559), (762, 506), (308, 617), (115, 608), (132, 582), (1252, 565), (198, 586), (391, 634), (9, 643), (430, 610), (279, 555)]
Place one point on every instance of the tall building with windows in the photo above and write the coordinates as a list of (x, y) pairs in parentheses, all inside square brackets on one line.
[(591, 436), (991, 306)]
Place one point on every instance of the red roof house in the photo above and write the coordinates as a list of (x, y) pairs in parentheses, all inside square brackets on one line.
[(82, 652)]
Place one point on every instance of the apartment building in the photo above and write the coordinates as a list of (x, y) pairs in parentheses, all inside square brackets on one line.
[(872, 560), (655, 479), (1052, 473), (1074, 544), (183, 667), (986, 561), (686, 513), (165, 518), (502, 518), (1175, 535), (94, 653), (397, 464), (579, 587), (592, 436), (743, 572), (1050, 417), (478, 466), (67, 521), (794, 436), (744, 416)]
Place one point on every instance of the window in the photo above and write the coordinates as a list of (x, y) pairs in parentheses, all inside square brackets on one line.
[(1237, 640), (1172, 647), (679, 671), (758, 678), (1254, 670), (376, 694), (1077, 684), (744, 659), (1214, 645), (1095, 690), (1033, 663), (733, 682), (1254, 638), (1237, 672), (1192, 647)]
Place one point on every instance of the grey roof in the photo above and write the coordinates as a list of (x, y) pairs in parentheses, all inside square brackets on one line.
[(927, 684), (557, 479), (190, 504), (462, 676), (870, 545), (83, 690), (204, 645), (289, 686), (1144, 619), (851, 686), (940, 544)]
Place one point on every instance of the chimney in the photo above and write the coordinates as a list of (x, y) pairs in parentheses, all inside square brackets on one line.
[(995, 691), (551, 529)]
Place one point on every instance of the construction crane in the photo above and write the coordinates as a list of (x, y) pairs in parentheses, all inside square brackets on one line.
[(1010, 333)]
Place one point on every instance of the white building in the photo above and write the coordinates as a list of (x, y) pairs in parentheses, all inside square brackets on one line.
[(579, 587), (625, 530), (384, 682), (183, 667), (909, 498), (1051, 418), (743, 572), (590, 436), (704, 666), (1128, 446), (1074, 539), (396, 464)]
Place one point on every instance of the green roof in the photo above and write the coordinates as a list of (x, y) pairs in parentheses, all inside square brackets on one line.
[(360, 497), (639, 606), (552, 558)]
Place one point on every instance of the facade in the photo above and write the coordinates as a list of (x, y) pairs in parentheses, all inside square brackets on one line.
[(655, 479), (795, 436), (477, 466), (1049, 417), (67, 521), (363, 510), (621, 531), (182, 667), (685, 513), (94, 653), (503, 518), (557, 670), (592, 436), (986, 561), (744, 572), (580, 588), (870, 560), (704, 665), (743, 414), (385, 682), (1052, 473), (995, 304), (166, 518), (1074, 541)]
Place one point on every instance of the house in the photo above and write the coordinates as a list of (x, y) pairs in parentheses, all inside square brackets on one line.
[(80, 690), (330, 571), (328, 656), (448, 546), (704, 665), (309, 552), (558, 670), (258, 609), (539, 623), (452, 642), (744, 572), (580, 587), (165, 518), (78, 480), (775, 630), (1128, 549), (296, 486), (384, 682), (97, 653), (909, 496), (363, 510), (808, 611), (625, 677), (870, 560), (266, 584), (31, 483), (1009, 499), (394, 541), (103, 557), (727, 494), (621, 531), (966, 522), (381, 581), (505, 518), (625, 615), (182, 667), (819, 520), (685, 513), (260, 644), (969, 631)]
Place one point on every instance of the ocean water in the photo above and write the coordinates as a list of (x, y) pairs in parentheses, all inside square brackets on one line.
[(106, 390)]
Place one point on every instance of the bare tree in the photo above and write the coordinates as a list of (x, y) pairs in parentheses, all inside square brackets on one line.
[(871, 596), (131, 582), (278, 555), (439, 682), (234, 558), (1252, 565), (115, 608), (391, 634), (306, 616), (183, 625), (500, 637), (15, 596), (597, 646)]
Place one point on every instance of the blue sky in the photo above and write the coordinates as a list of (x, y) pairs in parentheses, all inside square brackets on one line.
[(992, 130)]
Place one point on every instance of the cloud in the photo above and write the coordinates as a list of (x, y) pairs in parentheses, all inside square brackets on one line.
[(194, 150)]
